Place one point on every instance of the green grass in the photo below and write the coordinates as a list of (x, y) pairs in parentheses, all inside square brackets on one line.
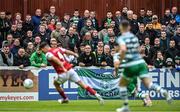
[(86, 106)]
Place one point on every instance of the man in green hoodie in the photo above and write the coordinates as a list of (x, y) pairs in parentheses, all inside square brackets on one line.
[(38, 59)]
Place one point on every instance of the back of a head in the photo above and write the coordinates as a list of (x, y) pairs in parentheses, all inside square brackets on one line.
[(43, 44), (124, 26)]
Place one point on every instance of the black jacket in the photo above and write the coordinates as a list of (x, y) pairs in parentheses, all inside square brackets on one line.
[(21, 60), (88, 60)]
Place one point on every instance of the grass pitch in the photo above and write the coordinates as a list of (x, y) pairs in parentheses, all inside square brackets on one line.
[(87, 106)]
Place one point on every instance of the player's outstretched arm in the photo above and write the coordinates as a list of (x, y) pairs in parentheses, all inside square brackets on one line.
[(71, 53)]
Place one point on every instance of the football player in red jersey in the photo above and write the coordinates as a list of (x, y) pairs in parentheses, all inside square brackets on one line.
[(64, 70)]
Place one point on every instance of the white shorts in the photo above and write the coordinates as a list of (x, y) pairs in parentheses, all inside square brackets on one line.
[(69, 75)]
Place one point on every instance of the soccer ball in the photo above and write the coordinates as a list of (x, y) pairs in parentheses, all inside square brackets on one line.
[(28, 83)]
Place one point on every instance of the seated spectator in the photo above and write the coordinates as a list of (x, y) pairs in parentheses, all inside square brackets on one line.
[(6, 57), (66, 21), (51, 25), (167, 16), (52, 14), (63, 39), (164, 41), (20, 30), (141, 19), (36, 20), (151, 32), (95, 39), (56, 33), (159, 61), (143, 54), (28, 38), (141, 34), (73, 39), (87, 58), (169, 63), (20, 59), (148, 17), (30, 49), (177, 63), (38, 59), (172, 52), (103, 32), (155, 23), (53, 43), (87, 28), (112, 41), (94, 20), (100, 57), (108, 19), (147, 45), (28, 24), (16, 46), (14, 32), (176, 38), (37, 41), (87, 39), (106, 37), (100, 44), (45, 37), (133, 23), (107, 53), (10, 40), (171, 27), (75, 18)]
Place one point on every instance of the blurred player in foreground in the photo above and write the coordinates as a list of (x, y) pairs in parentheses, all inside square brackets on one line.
[(133, 66), (64, 70), (132, 87)]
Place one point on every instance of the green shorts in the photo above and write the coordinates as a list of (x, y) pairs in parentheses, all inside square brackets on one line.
[(135, 71), (131, 88)]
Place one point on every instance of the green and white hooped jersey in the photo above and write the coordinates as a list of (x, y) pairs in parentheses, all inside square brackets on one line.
[(132, 56)]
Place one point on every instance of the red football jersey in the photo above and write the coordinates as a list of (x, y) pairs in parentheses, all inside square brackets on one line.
[(58, 53)]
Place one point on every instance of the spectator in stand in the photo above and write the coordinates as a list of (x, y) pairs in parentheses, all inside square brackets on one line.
[(53, 43), (169, 63), (106, 37), (75, 18), (38, 59), (133, 23), (29, 38), (17, 18), (20, 30), (20, 59), (141, 34), (87, 28), (9, 21), (28, 24), (81, 48), (141, 18), (172, 52), (52, 25), (3, 25), (6, 57), (124, 12), (63, 39), (112, 41), (159, 61), (100, 57), (94, 20), (151, 32), (156, 25), (148, 18), (118, 18), (147, 45), (167, 16), (176, 38), (174, 12), (95, 39), (107, 53), (100, 44), (10, 40), (103, 32), (36, 20), (142, 51), (87, 39), (45, 37), (66, 21), (14, 31), (52, 14), (87, 58), (108, 19), (171, 27), (164, 41), (73, 39), (30, 49), (16, 46), (82, 21), (56, 33), (37, 41), (177, 63)]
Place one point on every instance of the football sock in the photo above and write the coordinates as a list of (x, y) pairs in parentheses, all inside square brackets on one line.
[(90, 90), (62, 94), (124, 95)]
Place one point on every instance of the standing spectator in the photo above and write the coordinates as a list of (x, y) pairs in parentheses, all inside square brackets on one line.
[(75, 18), (151, 32), (95, 39), (20, 59), (103, 32), (107, 53), (108, 19), (87, 39), (100, 57), (117, 19), (141, 34), (156, 24), (38, 59), (20, 30), (9, 21), (112, 41), (45, 37), (106, 37), (148, 17), (100, 44), (73, 39), (133, 23), (94, 20), (66, 21), (81, 48), (52, 14), (177, 63), (16, 46), (82, 21), (37, 41), (174, 11), (167, 16), (169, 63), (171, 27), (141, 19), (159, 60), (17, 18), (87, 58), (30, 49), (144, 55), (177, 38), (36, 20), (10, 40), (28, 38), (14, 32), (28, 24), (124, 12), (6, 57), (63, 39), (51, 25), (172, 52), (147, 45), (164, 41), (56, 33), (87, 28), (3, 25)]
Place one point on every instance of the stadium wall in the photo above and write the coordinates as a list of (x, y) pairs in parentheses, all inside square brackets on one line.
[(11, 83)]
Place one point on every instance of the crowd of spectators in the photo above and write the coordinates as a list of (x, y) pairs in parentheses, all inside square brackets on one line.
[(94, 40)]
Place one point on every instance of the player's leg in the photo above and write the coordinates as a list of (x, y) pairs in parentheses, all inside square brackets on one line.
[(75, 78), (57, 82), (146, 80), (145, 97)]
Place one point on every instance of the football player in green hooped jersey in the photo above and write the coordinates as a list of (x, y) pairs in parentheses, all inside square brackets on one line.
[(133, 66), (132, 87)]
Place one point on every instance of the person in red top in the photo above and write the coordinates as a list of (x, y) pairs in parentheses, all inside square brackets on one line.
[(64, 70)]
